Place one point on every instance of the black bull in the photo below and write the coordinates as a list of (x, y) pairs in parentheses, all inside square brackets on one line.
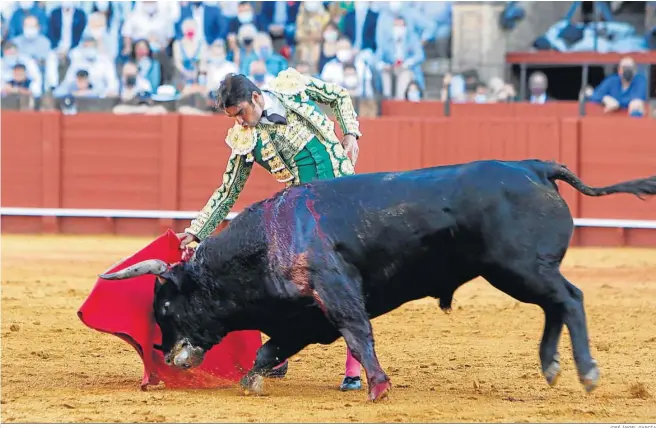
[(318, 261)]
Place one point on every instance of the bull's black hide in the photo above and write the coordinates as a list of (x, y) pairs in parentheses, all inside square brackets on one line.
[(318, 261)]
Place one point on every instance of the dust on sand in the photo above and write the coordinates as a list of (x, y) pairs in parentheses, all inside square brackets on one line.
[(478, 364)]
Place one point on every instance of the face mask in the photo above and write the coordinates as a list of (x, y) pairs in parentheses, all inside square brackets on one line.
[(89, 53), (627, 74), (259, 77), (311, 6), (395, 6), (131, 80), (97, 32), (351, 81), (344, 55), (30, 32), (150, 8), (102, 6), (196, 3), (190, 34), (635, 113), (67, 4), (26, 5), (414, 95), (470, 86), (265, 52), (480, 98), (361, 5), (10, 59), (245, 17), (537, 90), (399, 32), (202, 79), (330, 36), (248, 42)]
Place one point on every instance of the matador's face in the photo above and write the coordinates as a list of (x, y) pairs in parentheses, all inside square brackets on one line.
[(247, 113)]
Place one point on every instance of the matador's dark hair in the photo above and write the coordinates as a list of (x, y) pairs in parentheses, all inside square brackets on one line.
[(235, 89)]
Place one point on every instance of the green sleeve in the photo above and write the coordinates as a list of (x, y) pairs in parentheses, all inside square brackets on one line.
[(222, 200), (339, 100)]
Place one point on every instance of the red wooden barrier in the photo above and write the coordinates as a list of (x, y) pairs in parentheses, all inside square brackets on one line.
[(174, 162)]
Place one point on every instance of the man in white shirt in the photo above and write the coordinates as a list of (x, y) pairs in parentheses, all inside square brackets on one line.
[(102, 72), (151, 21)]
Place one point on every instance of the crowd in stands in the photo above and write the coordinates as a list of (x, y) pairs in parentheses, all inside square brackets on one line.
[(167, 50), (146, 51)]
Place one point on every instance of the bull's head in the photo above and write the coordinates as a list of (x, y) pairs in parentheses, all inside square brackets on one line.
[(187, 330)]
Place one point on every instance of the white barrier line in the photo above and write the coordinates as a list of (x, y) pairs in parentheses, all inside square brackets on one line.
[(190, 215)]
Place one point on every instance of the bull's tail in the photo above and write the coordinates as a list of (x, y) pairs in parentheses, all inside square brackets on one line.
[(639, 187)]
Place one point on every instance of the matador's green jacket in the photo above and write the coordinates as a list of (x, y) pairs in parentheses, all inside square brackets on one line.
[(294, 153)]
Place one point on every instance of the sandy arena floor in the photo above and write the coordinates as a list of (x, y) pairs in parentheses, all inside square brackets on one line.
[(479, 364)]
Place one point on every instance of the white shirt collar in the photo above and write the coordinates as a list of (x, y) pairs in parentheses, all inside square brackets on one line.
[(272, 105)]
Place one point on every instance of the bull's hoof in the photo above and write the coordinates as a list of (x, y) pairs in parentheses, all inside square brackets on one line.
[(552, 373), (380, 391), (590, 380), (252, 384)]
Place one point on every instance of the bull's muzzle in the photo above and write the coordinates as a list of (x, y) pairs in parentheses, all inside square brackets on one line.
[(184, 355)]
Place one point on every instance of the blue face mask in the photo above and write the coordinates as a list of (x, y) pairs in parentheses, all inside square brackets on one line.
[(635, 113), (258, 77), (265, 52)]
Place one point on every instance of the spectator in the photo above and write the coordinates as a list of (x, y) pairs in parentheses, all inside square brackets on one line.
[(333, 71), (438, 12), (132, 83), (537, 86), (421, 25), (481, 94), (210, 23), (245, 52), (100, 68), (10, 58), (19, 83), (258, 74), (359, 25), (623, 90), (350, 80), (32, 42), (400, 56), (245, 16), (218, 66), (17, 19), (304, 68), (279, 19), (328, 45), (149, 66), (414, 93), (275, 63), (310, 22), (149, 20), (189, 53), (66, 27), (106, 40), (82, 86)]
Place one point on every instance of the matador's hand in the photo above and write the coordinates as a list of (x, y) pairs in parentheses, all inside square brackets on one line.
[(186, 239), (350, 144)]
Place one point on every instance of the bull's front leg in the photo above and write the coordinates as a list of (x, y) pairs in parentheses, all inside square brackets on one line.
[(270, 355), (360, 340)]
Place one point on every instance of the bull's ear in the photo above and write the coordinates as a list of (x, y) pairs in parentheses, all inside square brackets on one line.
[(171, 278)]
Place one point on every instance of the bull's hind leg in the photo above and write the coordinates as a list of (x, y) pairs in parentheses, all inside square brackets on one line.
[(562, 303)]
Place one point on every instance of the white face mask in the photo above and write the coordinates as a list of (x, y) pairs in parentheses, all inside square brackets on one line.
[(350, 81), (245, 17), (97, 32), (102, 6), (67, 4), (311, 6), (26, 4), (344, 55), (399, 32), (395, 6), (414, 95), (150, 8), (480, 98), (330, 36), (30, 32)]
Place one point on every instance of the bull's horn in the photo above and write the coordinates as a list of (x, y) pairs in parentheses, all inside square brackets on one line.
[(154, 266)]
